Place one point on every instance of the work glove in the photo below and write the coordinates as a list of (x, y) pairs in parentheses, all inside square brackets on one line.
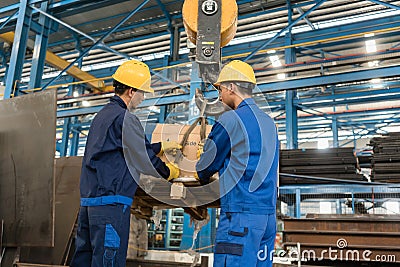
[(196, 176), (169, 147), (173, 171), (200, 150)]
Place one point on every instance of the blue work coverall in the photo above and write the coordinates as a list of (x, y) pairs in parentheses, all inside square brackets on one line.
[(108, 184), (243, 147)]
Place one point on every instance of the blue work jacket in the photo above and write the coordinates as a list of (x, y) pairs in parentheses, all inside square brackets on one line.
[(107, 177), (243, 147)]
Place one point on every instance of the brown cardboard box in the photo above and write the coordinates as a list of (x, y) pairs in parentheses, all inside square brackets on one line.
[(175, 132)]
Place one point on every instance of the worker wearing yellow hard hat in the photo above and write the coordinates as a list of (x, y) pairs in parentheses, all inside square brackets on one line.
[(109, 179), (135, 74), (237, 70), (243, 148)]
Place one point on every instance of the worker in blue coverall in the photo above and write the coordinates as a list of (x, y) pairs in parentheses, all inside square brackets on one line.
[(107, 183), (243, 148)]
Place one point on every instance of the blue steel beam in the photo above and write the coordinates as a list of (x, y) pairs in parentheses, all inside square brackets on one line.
[(174, 33), (18, 49), (101, 45), (319, 51), (344, 121), (339, 189), (174, 17), (309, 23), (44, 13), (384, 72), (244, 48), (315, 124), (374, 131), (372, 99), (8, 20), (165, 11), (363, 116), (349, 95), (348, 29), (314, 102), (320, 2), (71, 7), (360, 123), (17, 6), (34, 26), (316, 35), (100, 40)]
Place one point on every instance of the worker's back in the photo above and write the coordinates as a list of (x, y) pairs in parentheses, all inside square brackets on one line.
[(249, 171), (104, 170)]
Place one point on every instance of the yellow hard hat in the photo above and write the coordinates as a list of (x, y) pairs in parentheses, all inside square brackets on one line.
[(134, 73), (236, 70)]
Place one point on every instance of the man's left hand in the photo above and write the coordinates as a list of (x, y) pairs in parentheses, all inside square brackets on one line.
[(170, 146)]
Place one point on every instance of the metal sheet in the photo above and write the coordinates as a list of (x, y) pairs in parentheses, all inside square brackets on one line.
[(358, 233), (27, 145), (68, 171)]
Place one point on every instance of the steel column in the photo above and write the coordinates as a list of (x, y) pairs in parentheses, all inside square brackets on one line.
[(167, 235), (162, 116), (335, 132), (195, 82), (291, 121), (74, 142), (338, 206), (39, 51), (18, 49), (173, 31), (65, 137), (298, 203), (290, 107), (68, 127), (174, 43)]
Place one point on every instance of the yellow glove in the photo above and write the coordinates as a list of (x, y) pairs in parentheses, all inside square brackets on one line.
[(196, 176), (173, 171), (169, 147), (200, 150)]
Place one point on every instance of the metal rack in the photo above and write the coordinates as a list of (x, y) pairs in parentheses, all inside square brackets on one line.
[(169, 235)]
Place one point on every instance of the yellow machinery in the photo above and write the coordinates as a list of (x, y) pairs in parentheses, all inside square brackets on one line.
[(210, 25)]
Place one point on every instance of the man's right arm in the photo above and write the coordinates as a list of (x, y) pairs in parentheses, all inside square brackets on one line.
[(138, 151), (217, 149)]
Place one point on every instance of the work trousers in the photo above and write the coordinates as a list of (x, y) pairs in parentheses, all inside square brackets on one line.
[(102, 236), (245, 239)]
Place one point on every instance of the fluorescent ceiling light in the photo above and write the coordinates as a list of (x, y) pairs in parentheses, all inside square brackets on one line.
[(376, 81), (374, 63), (370, 46), (323, 143), (281, 76), (275, 61), (85, 103)]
